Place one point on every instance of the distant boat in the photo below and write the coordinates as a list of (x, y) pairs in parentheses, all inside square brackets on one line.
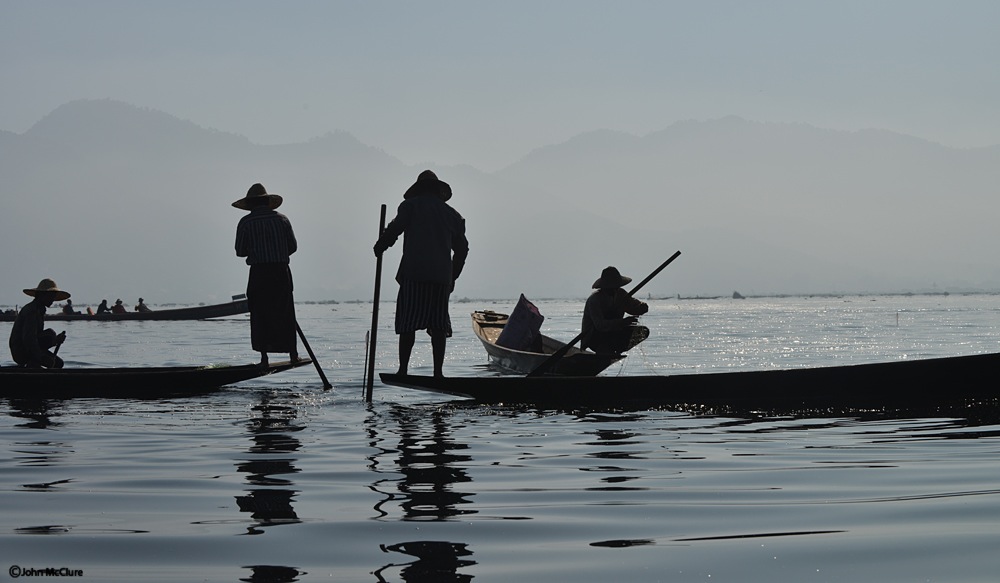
[(738, 296), (239, 305)]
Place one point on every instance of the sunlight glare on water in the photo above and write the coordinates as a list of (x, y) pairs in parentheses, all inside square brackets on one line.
[(278, 480)]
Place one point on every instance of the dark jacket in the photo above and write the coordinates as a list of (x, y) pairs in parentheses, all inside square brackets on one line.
[(265, 236), (605, 312), (433, 232), (25, 337)]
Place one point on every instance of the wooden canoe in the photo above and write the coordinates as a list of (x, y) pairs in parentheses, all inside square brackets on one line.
[(237, 306), (133, 383), (488, 324), (904, 384)]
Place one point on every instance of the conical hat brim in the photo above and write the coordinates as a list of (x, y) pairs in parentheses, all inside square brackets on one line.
[(249, 202), (60, 294)]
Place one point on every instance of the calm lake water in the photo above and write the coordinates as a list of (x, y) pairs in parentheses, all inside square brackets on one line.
[(277, 480)]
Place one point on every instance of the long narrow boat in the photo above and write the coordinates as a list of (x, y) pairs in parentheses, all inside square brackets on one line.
[(488, 324), (133, 383), (909, 384), (237, 306)]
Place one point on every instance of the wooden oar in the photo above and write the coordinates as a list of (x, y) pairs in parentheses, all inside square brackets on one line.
[(375, 301), (326, 383), (551, 361)]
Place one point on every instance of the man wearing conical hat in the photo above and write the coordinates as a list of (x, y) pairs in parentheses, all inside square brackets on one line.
[(606, 329), (434, 252), (264, 236), (30, 341)]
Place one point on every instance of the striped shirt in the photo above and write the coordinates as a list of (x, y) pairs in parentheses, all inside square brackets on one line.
[(265, 236)]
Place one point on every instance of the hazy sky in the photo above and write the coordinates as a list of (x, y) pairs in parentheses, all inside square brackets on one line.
[(483, 83)]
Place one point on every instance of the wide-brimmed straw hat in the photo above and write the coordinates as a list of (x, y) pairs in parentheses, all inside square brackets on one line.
[(47, 285), (611, 278), (428, 183), (257, 196)]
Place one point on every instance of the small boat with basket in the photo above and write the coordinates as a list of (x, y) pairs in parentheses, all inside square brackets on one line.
[(513, 348)]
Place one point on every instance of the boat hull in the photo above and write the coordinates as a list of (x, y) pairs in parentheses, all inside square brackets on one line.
[(487, 326), (909, 384), (133, 383)]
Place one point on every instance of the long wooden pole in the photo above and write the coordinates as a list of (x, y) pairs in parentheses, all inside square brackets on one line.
[(375, 302), (322, 375), (551, 361)]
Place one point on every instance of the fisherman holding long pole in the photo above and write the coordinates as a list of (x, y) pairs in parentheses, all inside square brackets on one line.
[(434, 253)]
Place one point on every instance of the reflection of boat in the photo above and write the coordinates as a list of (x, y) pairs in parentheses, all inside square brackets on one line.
[(908, 384), (237, 306), (134, 383), (488, 324)]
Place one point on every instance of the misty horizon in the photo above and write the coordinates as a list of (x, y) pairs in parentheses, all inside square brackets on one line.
[(114, 155)]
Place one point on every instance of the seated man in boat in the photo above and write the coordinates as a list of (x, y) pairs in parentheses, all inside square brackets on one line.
[(606, 329), (103, 308), (142, 307), (68, 308), (30, 341), (119, 307)]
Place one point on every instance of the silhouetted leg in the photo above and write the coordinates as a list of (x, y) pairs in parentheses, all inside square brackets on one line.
[(406, 340), (263, 358), (438, 341)]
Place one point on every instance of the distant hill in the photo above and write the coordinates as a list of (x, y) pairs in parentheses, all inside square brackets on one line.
[(113, 201), (790, 206)]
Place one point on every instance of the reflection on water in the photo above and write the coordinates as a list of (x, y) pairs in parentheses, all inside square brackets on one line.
[(430, 463), (272, 431), (428, 460), (272, 574), (436, 562), (37, 412)]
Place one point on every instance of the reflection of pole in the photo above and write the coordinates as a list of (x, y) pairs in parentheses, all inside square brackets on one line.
[(364, 375), (375, 301)]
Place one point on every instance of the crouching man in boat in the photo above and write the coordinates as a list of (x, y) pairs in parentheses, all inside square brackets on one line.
[(30, 341), (606, 329)]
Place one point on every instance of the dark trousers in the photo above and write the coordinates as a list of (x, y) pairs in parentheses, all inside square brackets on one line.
[(618, 341), (272, 308)]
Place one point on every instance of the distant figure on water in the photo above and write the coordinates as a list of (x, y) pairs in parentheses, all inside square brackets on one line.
[(119, 307), (103, 307), (265, 238), (434, 253), (30, 341), (68, 308), (142, 307), (606, 329)]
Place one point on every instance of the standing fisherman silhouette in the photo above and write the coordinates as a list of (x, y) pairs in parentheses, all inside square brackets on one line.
[(434, 252), (265, 238)]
